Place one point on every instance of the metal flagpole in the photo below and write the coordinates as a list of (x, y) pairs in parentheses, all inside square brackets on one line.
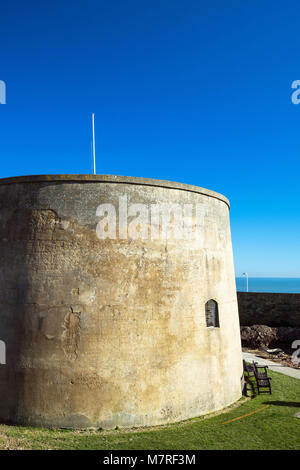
[(94, 154), (246, 274)]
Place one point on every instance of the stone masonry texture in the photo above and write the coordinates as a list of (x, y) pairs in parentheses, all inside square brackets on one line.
[(112, 332)]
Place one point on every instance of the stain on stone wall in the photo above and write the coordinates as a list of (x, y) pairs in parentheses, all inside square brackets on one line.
[(70, 337)]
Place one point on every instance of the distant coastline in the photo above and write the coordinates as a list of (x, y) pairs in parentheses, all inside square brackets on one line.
[(284, 285)]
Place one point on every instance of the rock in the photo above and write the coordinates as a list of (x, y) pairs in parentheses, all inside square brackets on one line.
[(262, 336), (258, 336)]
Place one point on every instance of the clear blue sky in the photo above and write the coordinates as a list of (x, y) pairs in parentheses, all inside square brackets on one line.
[(191, 91)]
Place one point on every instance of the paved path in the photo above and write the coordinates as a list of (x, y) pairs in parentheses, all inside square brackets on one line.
[(249, 357)]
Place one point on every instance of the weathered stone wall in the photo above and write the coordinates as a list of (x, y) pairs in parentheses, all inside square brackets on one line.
[(112, 332), (260, 308)]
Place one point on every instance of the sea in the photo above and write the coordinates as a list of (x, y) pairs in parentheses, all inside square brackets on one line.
[(290, 285)]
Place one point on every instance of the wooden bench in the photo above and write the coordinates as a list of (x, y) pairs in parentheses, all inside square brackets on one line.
[(249, 368), (260, 374), (262, 379)]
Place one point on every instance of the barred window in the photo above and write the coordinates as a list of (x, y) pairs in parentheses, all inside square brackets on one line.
[(212, 314), (2, 352)]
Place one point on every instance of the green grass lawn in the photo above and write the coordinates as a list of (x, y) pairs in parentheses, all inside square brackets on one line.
[(275, 427)]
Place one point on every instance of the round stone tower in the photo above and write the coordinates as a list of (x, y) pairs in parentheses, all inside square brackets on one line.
[(118, 302)]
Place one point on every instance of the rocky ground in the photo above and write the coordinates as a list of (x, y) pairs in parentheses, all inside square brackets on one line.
[(273, 343)]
